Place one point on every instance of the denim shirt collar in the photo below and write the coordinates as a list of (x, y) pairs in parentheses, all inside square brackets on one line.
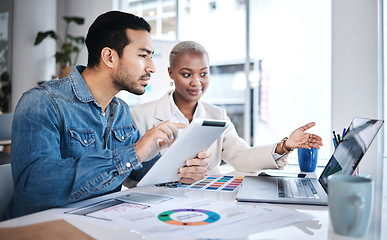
[(80, 88)]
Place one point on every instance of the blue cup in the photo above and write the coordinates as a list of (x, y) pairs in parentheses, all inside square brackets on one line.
[(307, 159)]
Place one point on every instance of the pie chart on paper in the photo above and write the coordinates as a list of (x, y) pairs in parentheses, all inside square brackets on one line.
[(188, 217)]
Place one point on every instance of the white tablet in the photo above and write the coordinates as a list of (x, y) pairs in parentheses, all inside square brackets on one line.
[(197, 137)]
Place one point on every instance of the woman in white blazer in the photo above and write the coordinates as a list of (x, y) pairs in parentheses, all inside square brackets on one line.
[(189, 70)]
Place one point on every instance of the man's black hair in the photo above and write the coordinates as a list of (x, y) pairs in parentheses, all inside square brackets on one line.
[(109, 30)]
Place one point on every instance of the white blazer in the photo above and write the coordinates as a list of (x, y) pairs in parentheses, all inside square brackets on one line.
[(229, 146)]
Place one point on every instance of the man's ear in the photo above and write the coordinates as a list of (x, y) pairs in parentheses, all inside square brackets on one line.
[(108, 56)]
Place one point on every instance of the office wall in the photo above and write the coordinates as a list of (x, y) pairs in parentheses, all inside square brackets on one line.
[(357, 78), (32, 64), (356, 68)]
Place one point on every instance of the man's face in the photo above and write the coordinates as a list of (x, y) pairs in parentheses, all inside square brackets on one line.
[(136, 64)]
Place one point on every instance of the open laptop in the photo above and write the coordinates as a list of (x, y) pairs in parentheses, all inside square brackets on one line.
[(312, 191)]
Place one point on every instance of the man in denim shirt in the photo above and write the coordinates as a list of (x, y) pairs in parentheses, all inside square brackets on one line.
[(73, 139)]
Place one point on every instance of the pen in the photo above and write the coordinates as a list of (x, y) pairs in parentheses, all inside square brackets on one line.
[(334, 135), (339, 138), (344, 132), (334, 142)]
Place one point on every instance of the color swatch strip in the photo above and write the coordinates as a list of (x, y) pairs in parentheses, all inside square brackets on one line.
[(217, 183)]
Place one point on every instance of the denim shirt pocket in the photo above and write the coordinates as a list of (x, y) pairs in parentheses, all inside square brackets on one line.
[(122, 136), (81, 142)]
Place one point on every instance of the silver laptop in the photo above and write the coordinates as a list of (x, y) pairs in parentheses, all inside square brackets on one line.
[(312, 191)]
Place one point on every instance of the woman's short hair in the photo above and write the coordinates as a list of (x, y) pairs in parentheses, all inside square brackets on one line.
[(183, 47)]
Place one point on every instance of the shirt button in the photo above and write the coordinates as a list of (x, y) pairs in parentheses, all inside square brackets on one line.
[(128, 165), (122, 138), (85, 141)]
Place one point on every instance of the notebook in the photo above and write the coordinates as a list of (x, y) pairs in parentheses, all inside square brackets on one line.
[(312, 191)]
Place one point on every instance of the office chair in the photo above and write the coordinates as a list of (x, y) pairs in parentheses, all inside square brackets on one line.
[(6, 189), (6, 126), (5, 136)]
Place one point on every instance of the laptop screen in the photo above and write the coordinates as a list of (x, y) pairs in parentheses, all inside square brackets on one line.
[(347, 155)]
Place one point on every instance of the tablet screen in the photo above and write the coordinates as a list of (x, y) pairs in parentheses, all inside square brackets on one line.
[(197, 137)]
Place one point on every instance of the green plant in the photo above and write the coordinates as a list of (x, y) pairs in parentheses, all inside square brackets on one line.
[(69, 48)]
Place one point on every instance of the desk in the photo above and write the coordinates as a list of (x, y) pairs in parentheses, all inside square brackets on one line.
[(318, 228)]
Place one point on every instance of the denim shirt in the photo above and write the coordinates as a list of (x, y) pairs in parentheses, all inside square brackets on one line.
[(64, 149)]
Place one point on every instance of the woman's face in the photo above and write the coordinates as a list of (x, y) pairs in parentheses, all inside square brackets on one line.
[(191, 75)]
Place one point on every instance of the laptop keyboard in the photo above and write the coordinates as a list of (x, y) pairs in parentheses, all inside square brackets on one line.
[(296, 188)]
